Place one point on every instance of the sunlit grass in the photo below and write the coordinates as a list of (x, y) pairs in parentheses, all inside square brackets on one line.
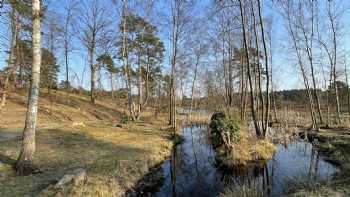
[(112, 156)]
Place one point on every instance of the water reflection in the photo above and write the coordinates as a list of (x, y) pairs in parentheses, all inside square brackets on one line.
[(192, 170)]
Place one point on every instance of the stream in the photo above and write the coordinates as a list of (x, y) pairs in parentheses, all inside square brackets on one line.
[(192, 169)]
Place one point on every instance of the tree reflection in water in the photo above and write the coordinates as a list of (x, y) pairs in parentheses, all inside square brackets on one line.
[(192, 169)]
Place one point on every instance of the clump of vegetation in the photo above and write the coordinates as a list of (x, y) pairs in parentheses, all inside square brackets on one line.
[(247, 150), (177, 139), (244, 191), (233, 143), (225, 130)]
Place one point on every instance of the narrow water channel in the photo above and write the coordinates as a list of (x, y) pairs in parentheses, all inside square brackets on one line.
[(192, 169)]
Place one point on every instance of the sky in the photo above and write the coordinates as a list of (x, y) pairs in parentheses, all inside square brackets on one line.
[(285, 70)]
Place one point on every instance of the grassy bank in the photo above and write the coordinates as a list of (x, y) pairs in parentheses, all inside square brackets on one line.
[(335, 147), (115, 158)]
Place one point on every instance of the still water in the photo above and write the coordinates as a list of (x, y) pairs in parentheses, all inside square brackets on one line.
[(192, 169)]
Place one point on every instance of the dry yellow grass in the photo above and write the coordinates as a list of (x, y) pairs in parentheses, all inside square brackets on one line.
[(114, 158), (249, 149)]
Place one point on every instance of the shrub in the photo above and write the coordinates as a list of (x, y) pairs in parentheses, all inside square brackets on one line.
[(225, 130)]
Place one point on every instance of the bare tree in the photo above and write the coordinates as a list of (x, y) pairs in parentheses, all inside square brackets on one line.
[(180, 17), (246, 52), (267, 111), (176, 11), (51, 36), (198, 49), (332, 19), (271, 76), (67, 38), (258, 69), (12, 55), (347, 86), (287, 7), (94, 29), (308, 38), (24, 163)]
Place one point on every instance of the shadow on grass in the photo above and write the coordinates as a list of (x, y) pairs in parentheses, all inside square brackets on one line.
[(9, 134), (59, 151), (7, 160), (80, 147)]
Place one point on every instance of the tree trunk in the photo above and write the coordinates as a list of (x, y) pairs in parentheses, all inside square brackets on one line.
[(67, 69), (146, 86), (330, 79), (230, 73), (11, 59), (175, 39), (93, 75), (172, 91), (18, 61), (335, 72), (242, 88), (112, 86), (193, 84), (347, 88), (139, 105), (66, 49), (332, 17), (306, 83), (126, 62), (267, 108), (24, 163), (274, 101), (252, 104), (271, 77), (260, 94), (309, 50)]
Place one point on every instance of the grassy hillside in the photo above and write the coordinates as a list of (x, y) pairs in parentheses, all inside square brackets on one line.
[(80, 135)]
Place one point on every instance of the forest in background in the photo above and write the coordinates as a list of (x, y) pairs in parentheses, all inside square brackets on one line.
[(134, 62)]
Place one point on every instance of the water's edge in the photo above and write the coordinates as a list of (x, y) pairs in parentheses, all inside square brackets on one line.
[(192, 171)]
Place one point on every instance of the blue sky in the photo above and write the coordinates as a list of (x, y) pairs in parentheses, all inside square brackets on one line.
[(286, 73)]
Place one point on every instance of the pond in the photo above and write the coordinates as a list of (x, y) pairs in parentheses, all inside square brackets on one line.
[(192, 169)]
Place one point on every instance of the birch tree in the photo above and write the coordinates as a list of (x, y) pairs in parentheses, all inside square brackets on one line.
[(24, 163), (287, 6), (180, 18), (247, 58), (267, 71), (333, 20)]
